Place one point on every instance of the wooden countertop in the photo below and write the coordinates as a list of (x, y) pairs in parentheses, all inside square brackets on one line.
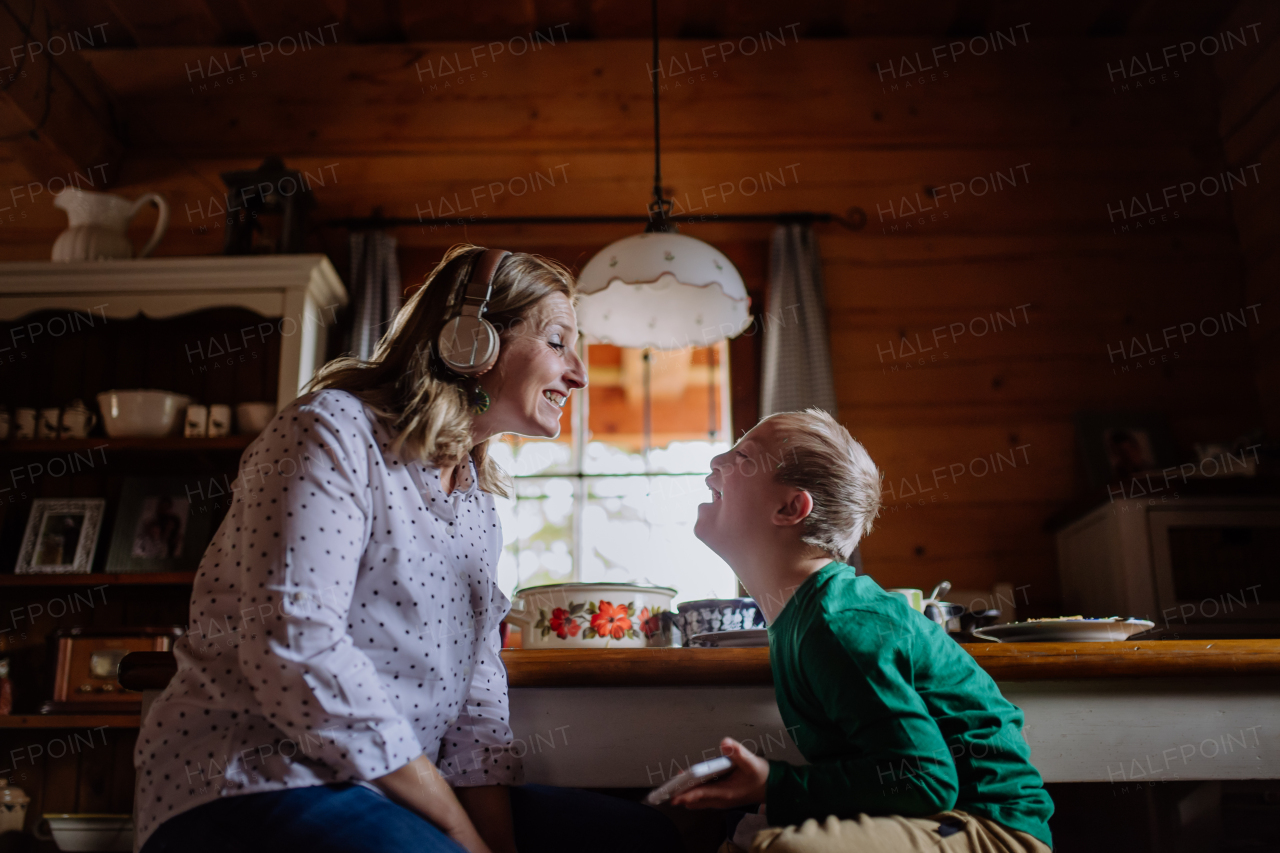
[(680, 667), (1003, 661)]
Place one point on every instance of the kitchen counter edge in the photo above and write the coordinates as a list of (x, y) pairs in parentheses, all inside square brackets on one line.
[(1003, 661)]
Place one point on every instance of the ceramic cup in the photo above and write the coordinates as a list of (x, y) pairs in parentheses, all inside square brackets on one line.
[(77, 420), (914, 597), (220, 420), (47, 423), (4, 424), (24, 424), (197, 423), (253, 418), (13, 807)]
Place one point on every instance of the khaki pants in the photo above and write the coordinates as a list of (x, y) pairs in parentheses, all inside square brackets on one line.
[(895, 835)]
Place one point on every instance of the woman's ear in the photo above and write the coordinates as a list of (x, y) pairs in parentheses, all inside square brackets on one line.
[(796, 509)]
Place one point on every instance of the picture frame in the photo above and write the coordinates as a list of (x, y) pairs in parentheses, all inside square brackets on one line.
[(61, 536), (86, 676), (158, 528), (1117, 446)]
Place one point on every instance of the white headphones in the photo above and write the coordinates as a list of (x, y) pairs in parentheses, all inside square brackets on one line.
[(468, 343)]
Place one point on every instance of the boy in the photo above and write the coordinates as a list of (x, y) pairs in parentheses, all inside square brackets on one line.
[(910, 744)]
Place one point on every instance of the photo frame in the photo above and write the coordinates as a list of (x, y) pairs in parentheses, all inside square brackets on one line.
[(158, 528), (61, 536), (1116, 446), (86, 678)]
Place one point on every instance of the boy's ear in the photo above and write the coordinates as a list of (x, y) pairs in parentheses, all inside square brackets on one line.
[(797, 508)]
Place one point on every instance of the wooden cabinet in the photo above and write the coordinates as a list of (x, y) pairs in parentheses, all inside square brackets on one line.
[(294, 297), (220, 329)]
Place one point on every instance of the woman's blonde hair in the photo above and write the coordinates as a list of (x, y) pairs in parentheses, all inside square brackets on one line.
[(409, 388)]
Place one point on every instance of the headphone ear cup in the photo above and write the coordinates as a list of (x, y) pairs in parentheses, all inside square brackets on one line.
[(469, 345)]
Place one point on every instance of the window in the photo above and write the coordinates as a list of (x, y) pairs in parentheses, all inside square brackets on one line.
[(612, 500)]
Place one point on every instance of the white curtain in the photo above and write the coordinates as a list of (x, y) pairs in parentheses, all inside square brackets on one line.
[(797, 355), (375, 289)]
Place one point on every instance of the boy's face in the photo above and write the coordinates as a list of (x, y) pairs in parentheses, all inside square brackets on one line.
[(744, 494)]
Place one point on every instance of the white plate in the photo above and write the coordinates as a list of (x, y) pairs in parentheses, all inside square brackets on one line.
[(1110, 630), (751, 638)]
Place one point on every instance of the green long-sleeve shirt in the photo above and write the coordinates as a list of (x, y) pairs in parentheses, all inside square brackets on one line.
[(892, 714)]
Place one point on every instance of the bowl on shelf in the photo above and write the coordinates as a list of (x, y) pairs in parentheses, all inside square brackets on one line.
[(82, 832), (591, 615), (145, 412)]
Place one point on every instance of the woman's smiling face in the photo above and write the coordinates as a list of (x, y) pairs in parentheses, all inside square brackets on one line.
[(537, 367)]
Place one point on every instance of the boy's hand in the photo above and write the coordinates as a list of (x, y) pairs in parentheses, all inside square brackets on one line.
[(745, 785)]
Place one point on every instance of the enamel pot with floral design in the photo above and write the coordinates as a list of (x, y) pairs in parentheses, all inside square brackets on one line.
[(592, 616)]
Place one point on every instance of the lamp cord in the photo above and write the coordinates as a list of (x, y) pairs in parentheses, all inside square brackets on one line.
[(657, 145)]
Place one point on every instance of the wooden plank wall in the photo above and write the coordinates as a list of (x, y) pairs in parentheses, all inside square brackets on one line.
[(1056, 249), (1250, 128)]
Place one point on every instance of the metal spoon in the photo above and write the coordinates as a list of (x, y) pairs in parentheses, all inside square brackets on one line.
[(940, 590)]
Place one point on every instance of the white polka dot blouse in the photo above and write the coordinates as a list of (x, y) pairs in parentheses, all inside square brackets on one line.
[(344, 620)]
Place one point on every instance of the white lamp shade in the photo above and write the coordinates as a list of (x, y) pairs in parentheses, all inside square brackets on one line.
[(663, 291)]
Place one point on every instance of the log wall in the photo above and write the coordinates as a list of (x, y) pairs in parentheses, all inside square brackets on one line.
[(1019, 243)]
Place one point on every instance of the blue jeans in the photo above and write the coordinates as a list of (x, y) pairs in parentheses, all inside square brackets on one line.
[(347, 818)]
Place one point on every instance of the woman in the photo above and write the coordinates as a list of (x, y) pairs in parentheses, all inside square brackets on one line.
[(340, 687)]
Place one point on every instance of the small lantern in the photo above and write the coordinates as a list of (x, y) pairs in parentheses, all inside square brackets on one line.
[(267, 210)]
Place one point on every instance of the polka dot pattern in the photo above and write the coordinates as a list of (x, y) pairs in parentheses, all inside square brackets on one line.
[(344, 620)]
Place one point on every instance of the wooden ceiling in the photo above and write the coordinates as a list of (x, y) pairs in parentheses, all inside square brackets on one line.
[(165, 96), (146, 23)]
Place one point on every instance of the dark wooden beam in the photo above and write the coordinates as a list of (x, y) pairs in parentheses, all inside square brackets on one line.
[(283, 19), (173, 22), (56, 115)]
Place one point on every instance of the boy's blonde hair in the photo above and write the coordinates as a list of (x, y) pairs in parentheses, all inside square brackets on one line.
[(821, 457)]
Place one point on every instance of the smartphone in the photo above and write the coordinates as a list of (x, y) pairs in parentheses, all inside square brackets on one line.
[(698, 774)]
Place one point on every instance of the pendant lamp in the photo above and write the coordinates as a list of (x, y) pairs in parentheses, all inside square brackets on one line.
[(661, 289)]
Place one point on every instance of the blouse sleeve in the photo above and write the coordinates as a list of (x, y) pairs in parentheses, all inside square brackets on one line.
[(479, 749), (298, 551)]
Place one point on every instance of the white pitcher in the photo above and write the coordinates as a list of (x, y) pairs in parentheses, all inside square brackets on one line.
[(99, 223)]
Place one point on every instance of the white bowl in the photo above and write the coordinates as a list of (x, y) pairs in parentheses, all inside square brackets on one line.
[(83, 832), (146, 412), (571, 615), (252, 418)]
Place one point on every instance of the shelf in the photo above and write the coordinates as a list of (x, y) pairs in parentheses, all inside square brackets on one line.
[(101, 578), (70, 721), (166, 443)]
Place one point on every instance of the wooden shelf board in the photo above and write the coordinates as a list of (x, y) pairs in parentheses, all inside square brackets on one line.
[(69, 721), (166, 443), (101, 578)]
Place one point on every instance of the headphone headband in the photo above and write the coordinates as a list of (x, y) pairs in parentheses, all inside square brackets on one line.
[(486, 267)]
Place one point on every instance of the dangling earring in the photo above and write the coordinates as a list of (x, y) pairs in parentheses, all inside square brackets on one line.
[(479, 400)]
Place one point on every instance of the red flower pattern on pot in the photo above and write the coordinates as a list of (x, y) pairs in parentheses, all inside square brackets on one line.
[(563, 624), (611, 621), (587, 621), (650, 623)]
